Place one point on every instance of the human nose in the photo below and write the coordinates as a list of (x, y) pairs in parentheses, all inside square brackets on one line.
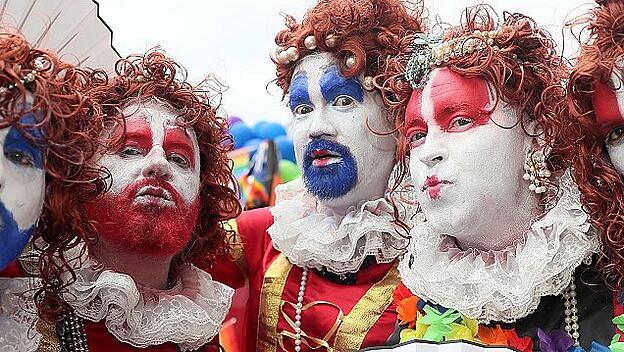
[(321, 125), (433, 151), (157, 165)]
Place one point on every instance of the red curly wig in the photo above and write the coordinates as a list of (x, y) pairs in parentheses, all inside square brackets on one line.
[(602, 187), (70, 123), (520, 62), (368, 30)]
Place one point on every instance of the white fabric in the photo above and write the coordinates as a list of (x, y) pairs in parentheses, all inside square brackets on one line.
[(505, 285), (189, 314), (312, 236), (18, 315)]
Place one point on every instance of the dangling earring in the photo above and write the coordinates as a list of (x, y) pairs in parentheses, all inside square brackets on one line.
[(536, 171)]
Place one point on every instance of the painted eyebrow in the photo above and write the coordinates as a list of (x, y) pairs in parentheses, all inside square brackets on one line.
[(333, 84), (298, 92), (15, 141)]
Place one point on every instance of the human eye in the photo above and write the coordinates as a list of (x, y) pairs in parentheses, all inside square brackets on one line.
[(20, 158), (303, 109), (615, 136), (179, 160), (130, 151), (417, 138), (460, 123), (343, 101)]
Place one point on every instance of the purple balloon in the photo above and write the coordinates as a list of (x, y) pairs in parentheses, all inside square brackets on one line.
[(233, 120)]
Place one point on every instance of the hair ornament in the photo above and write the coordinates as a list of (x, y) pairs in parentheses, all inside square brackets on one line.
[(431, 52)]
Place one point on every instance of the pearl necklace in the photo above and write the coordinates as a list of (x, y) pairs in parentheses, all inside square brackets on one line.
[(298, 309), (571, 319)]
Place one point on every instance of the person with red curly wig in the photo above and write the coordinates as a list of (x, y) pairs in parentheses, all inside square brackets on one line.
[(595, 102), (322, 262), (501, 251), (48, 129), (129, 285)]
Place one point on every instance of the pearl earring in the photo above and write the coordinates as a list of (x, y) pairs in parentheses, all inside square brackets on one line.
[(536, 171)]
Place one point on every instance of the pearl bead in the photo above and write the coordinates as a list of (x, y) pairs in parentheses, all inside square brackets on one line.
[(532, 187), (350, 62), (297, 348), (282, 57), (331, 41), (568, 328), (526, 177), (310, 42), (575, 335), (368, 83), (293, 53), (297, 342), (300, 299), (298, 323)]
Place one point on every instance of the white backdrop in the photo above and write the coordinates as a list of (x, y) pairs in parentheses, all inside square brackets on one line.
[(233, 38)]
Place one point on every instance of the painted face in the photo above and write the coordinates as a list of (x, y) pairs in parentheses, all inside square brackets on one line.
[(608, 102), (153, 201), (467, 161), (22, 187), (343, 161)]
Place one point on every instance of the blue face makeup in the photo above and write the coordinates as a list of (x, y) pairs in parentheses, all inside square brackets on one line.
[(333, 180), (298, 93), (12, 240), (333, 85), (18, 148)]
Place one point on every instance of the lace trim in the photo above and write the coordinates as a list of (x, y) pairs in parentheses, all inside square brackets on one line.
[(309, 237), (504, 285), (189, 314), (18, 315)]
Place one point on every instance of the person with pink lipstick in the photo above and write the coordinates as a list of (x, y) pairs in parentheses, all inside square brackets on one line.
[(130, 285), (502, 251), (322, 262)]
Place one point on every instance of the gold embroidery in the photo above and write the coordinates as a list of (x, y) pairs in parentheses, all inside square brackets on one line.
[(320, 342), (237, 247), (49, 341), (270, 302), (366, 312)]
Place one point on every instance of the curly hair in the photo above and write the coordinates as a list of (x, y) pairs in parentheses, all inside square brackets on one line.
[(69, 122), (520, 62), (141, 77), (368, 30), (601, 186)]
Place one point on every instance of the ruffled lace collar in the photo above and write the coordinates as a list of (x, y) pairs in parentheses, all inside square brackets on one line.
[(189, 314), (311, 237), (505, 285), (18, 315)]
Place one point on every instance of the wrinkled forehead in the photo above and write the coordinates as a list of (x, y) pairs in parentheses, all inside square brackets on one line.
[(447, 91), (608, 101)]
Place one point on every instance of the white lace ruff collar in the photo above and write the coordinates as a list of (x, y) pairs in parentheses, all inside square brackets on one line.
[(309, 237), (18, 315), (189, 314), (509, 286)]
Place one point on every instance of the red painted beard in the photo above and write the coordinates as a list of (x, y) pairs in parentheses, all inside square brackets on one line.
[(151, 226)]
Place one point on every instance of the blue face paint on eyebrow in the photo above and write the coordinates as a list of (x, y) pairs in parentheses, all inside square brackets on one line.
[(298, 93), (16, 142), (333, 84)]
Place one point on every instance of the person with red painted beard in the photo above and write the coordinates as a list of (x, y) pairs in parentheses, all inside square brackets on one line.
[(132, 285)]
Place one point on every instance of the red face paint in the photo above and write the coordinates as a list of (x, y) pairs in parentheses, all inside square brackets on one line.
[(608, 114), (138, 134), (177, 141), (458, 104)]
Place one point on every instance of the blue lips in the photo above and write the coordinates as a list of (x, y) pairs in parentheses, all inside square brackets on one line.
[(333, 180)]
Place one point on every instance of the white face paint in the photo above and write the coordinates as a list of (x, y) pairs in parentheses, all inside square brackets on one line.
[(609, 107), (333, 111), (22, 179), (466, 168), (155, 147)]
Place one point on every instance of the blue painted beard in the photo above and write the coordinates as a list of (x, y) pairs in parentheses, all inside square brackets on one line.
[(329, 180), (12, 240)]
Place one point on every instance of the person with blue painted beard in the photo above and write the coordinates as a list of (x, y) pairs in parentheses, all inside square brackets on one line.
[(322, 263), (48, 129)]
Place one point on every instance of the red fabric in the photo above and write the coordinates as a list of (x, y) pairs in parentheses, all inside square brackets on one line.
[(259, 253), (13, 270), (100, 340)]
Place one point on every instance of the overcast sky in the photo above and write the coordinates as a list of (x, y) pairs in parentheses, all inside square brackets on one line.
[(233, 38)]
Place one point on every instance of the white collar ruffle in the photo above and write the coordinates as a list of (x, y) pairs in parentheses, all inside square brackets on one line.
[(310, 237), (505, 285), (18, 315), (189, 314)]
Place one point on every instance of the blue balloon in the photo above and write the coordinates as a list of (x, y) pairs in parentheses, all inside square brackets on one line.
[(286, 148), (271, 130), (257, 128), (241, 134)]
